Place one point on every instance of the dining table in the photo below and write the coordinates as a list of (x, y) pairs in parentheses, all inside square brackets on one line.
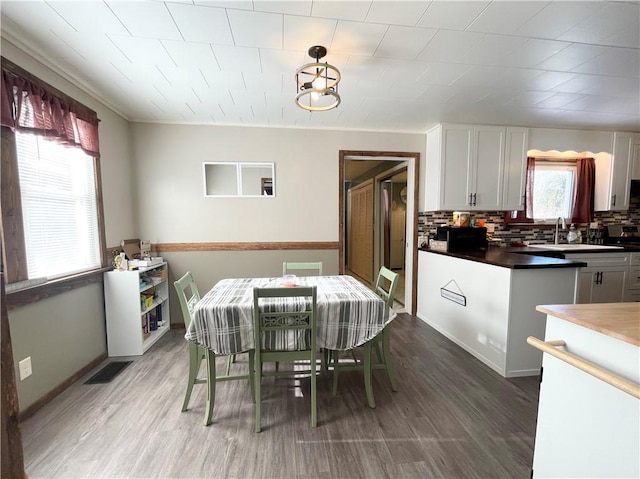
[(348, 314)]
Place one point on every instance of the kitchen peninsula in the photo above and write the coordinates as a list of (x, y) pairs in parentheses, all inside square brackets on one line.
[(485, 301), (589, 410)]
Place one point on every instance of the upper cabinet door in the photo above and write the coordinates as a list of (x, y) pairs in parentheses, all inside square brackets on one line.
[(486, 169), (613, 176), (515, 168), (456, 160)]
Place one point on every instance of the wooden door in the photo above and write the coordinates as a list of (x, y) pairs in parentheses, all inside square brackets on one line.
[(360, 227)]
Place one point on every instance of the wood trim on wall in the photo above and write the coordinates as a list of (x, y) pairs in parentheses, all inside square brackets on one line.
[(241, 246)]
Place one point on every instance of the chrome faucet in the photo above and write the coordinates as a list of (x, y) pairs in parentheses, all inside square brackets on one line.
[(564, 227)]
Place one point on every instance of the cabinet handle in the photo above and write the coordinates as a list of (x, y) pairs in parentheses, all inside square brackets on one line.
[(474, 199), (550, 347), (613, 200), (470, 199)]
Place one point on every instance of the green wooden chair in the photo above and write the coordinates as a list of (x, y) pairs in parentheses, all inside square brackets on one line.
[(291, 268), (386, 285), (275, 325), (188, 295), (309, 268)]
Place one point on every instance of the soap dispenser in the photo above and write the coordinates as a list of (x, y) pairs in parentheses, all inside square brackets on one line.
[(572, 236)]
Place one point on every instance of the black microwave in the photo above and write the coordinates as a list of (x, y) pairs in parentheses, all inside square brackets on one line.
[(463, 238)]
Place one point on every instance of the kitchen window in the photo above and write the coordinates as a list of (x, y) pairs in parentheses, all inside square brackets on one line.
[(52, 214), (557, 187), (553, 190)]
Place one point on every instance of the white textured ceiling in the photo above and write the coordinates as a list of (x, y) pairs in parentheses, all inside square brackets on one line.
[(405, 64)]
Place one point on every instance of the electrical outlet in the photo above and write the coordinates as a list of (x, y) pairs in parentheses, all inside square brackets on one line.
[(25, 368), (490, 227)]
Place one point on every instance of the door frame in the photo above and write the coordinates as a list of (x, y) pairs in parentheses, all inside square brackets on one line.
[(413, 180)]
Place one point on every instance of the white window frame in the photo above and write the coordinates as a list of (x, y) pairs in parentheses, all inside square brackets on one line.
[(558, 166), (78, 198)]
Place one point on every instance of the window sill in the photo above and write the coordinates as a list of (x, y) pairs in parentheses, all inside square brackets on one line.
[(33, 294)]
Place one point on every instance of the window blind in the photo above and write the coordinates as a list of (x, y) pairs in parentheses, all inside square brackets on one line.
[(59, 207)]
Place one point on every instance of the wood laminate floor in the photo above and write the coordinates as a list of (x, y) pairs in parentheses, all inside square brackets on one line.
[(452, 418)]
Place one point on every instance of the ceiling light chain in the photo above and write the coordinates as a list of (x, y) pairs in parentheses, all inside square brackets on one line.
[(317, 83)]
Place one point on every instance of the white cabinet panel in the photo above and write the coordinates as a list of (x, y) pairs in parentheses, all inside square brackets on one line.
[(515, 169), (487, 169), (635, 170), (613, 176), (499, 311), (456, 166), (587, 428)]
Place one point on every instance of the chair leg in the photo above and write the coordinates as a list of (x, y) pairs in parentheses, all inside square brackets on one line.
[(252, 384), (386, 350), (258, 399), (195, 359), (211, 386), (367, 375), (314, 405), (335, 359)]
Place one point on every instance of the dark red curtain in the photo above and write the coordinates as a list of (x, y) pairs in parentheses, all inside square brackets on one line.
[(583, 203), (29, 106), (525, 215)]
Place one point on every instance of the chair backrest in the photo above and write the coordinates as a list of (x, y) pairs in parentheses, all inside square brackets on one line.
[(285, 319), (315, 267), (188, 295), (386, 285)]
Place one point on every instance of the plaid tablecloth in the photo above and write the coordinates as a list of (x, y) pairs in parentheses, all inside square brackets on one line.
[(348, 313)]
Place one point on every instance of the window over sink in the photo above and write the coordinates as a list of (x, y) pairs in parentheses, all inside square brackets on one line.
[(557, 185)]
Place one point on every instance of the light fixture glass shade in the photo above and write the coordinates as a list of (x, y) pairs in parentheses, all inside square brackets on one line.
[(317, 86)]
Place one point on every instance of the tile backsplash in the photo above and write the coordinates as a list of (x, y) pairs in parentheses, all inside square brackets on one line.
[(506, 234)]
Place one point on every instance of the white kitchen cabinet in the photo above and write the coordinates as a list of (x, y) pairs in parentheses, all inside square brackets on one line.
[(515, 168), (587, 428), (632, 286), (607, 285), (613, 175), (635, 169), (464, 167), (133, 326), (604, 279)]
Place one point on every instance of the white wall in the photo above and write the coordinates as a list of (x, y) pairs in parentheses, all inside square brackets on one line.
[(168, 161)]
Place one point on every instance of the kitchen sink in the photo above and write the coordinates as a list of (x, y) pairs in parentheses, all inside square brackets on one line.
[(574, 247)]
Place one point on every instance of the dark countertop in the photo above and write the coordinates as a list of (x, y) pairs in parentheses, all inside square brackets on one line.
[(514, 258)]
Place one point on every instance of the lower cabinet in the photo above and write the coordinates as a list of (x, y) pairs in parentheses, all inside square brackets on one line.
[(606, 285), (632, 288), (604, 280), (136, 309)]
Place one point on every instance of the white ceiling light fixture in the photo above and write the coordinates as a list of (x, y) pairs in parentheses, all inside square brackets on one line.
[(317, 83)]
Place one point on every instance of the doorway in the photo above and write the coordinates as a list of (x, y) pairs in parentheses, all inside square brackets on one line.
[(393, 224), (382, 166)]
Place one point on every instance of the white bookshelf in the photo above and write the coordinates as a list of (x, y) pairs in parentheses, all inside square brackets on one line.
[(126, 314)]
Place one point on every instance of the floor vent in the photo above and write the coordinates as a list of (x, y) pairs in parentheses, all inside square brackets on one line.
[(107, 373)]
